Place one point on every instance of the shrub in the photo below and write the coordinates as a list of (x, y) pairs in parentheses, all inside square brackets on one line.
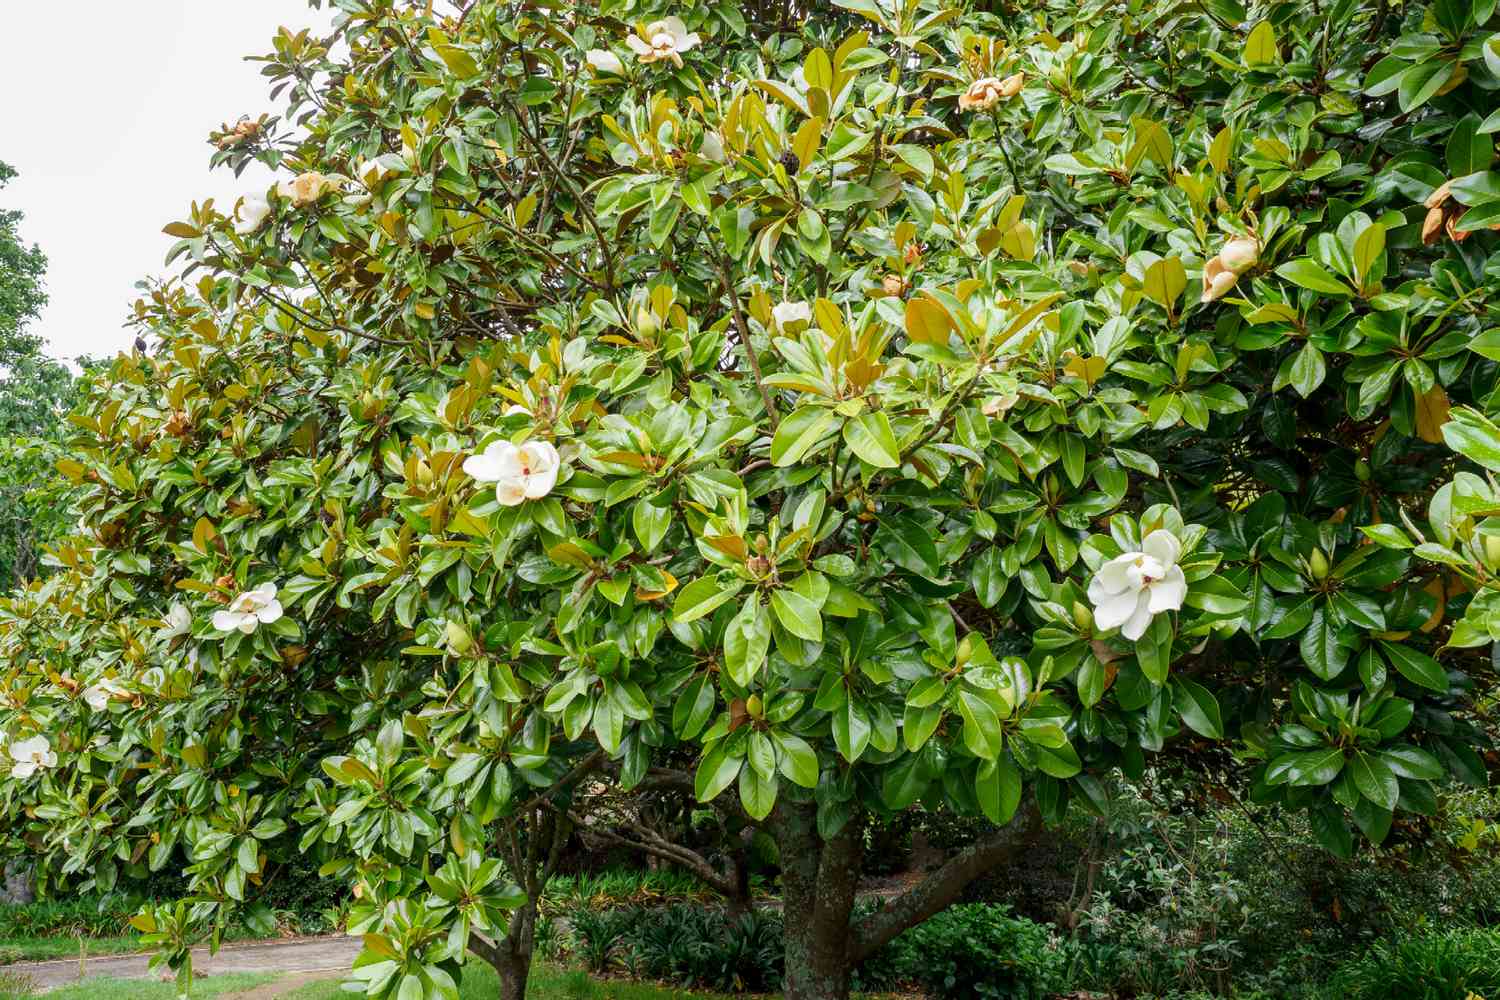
[(1450, 965), (972, 950), (685, 943)]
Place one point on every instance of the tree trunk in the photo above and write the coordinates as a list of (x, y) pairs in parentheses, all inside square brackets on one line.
[(511, 955), (819, 879)]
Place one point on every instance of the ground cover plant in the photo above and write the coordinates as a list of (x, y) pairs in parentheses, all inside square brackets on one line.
[(809, 411)]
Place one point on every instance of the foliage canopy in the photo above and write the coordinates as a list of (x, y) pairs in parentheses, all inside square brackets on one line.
[(880, 404)]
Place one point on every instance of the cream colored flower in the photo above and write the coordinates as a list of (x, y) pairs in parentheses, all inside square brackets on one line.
[(1012, 85), (1240, 254), (982, 94), (179, 621), (306, 189), (249, 610), (29, 755), (98, 695), (1131, 588), (520, 473), (712, 147), (788, 315), (251, 214), (1217, 280), (665, 39), (605, 61)]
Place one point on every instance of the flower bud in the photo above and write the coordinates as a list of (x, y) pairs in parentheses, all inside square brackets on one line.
[(1492, 550), (1240, 254), (1318, 563)]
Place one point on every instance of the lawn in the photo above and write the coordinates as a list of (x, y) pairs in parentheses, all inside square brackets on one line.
[(43, 949), (547, 983), (13, 988)]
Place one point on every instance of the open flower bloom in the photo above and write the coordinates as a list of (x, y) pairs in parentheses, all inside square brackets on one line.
[(520, 473), (251, 214), (305, 189), (712, 147), (982, 94), (605, 61), (1131, 588), (787, 315), (30, 755), (250, 610), (666, 39), (179, 622), (98, 695)]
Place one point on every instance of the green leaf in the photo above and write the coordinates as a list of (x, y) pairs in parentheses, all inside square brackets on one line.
[(746, 641), (797, 615), (1199, 709), (702, 596), (715, 772), (1417, 667), (1164, 282), (870, 437), (998, 786), (1374, 780), (1308, 273), (694, 706), (757, 793), (799, 433), (798, 761), (1260, 46)]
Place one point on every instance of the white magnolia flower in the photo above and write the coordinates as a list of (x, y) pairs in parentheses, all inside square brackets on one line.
[(520, 473), (251, 214), (712, 147), (666, 39), (250, 610), (98, 695), (1131, 588), (30, 755), (179, 621), (305, 189), (605, 61), (788, 314)]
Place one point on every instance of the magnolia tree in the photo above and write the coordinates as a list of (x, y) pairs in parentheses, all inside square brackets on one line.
[(828, 410)]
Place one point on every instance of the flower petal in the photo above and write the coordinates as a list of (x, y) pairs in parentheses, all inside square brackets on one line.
[(1115, 610), (1162, 546), (511, 492), (270, 613), (23, 769), (539, 484), (1168, 593), (265, 593), (1114, 576), (638, 45), (226, 620), (488, 466), (1136, 625)]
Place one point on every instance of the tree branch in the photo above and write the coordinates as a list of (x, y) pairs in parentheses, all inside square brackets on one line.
[(743, 329), (942, 887)]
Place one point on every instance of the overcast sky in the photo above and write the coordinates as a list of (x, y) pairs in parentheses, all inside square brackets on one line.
[(105, 109)]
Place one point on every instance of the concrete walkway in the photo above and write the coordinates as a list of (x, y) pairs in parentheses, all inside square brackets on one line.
[(295, 955)]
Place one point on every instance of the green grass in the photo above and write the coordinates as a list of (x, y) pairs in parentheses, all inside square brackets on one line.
[(42, 949), (547, 983), (139, 989)]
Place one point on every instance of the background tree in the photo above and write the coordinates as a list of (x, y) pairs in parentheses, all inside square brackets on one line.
[(838, 411), (35, 395)]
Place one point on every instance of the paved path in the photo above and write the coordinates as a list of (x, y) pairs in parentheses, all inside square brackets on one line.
[(298, 955)]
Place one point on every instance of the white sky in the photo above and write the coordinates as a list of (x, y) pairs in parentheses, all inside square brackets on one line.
[(105, 110)]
